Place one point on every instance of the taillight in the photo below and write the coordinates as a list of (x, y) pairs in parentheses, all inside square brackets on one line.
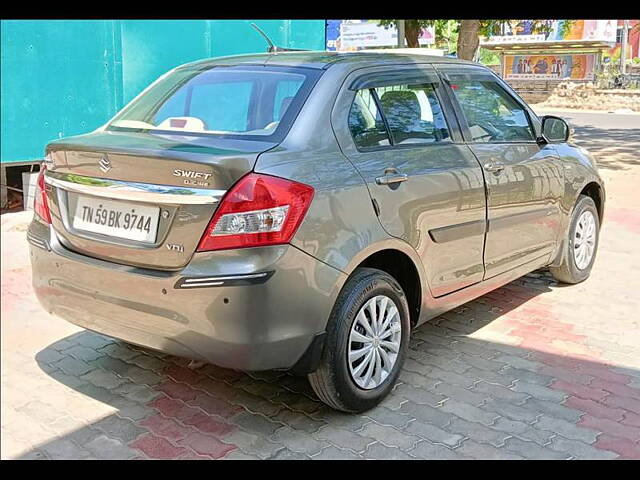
[(259, 210), (40, 202)]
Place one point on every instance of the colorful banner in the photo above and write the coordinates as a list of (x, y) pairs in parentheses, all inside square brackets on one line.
[(548, 67), (522, 31), (352, 35)]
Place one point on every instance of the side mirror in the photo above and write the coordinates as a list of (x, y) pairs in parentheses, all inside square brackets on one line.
[(554, 130)]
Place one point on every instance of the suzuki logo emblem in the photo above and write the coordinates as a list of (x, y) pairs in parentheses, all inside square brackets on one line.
[(105, 164)]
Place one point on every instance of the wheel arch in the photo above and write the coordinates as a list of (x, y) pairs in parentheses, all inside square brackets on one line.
[(402, 263), (594, 191), (392, 256)]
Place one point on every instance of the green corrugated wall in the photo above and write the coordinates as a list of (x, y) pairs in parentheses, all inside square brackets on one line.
[(65, 77)]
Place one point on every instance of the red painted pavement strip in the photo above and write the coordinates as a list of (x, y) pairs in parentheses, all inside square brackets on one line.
[(179, 425), (216, 388), (171, 408), (215, 406), (617, 389), (625, 217), (615, 429), (207, 424), (610, 405), (632, 419), (594, 408), (193, 456), (16, 288), (222, 374), (566, 374), (577, 370), (534, 330), (621, 446), (579, 390), (603, 372), (157, 447), (183, 374), (553, 360), (206, 445), (623, 402), (166, 427), (180, 391)]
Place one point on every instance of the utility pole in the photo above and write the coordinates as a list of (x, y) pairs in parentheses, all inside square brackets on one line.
[(400, 25), (623, 49)]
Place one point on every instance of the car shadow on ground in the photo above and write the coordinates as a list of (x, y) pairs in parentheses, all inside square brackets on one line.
[(613, 148), (459, 395)]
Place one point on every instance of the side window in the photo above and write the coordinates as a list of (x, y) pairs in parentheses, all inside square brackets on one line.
[(365, 123), (492, 113), (413, 113)]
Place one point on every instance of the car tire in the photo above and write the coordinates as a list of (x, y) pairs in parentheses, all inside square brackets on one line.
[(337, 381), (576, 269)]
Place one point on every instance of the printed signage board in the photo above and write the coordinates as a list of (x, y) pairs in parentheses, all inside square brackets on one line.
[(352, 35), (522, 31), (548, 67)]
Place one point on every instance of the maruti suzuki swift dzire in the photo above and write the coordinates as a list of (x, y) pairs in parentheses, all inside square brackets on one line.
[(306, 211)]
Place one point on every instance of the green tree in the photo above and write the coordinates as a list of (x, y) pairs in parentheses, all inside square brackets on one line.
[(468, 31), (413, 28)]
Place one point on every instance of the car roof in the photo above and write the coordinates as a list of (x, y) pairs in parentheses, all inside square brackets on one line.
[(322, 60)]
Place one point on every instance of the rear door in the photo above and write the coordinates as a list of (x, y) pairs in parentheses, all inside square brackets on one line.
[(425, 183), (524, 179)]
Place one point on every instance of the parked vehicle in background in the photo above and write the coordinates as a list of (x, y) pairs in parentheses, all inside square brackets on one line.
[(306, 211)]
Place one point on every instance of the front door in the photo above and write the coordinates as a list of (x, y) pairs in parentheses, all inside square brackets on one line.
[(524, 179), (427, 185)]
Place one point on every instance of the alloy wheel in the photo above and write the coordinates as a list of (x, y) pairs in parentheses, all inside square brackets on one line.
[(374, 342), (584, 240)]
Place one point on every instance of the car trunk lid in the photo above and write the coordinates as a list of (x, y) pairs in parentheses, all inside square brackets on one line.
[(142, 199)]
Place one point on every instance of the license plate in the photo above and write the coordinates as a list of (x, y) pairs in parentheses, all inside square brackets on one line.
[(117, 219)]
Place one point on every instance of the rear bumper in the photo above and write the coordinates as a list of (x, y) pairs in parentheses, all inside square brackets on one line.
[(255, 323)]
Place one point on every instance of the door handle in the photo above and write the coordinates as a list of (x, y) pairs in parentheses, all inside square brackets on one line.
[(495, 167), (391, 177)]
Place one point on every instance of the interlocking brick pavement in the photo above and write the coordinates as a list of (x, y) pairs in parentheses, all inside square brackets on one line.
[(531, 370)]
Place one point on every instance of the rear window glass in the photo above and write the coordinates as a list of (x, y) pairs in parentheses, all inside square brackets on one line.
[(229, 101)]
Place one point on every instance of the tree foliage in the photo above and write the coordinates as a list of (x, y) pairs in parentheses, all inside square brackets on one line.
[(413, 28), (468, 31)]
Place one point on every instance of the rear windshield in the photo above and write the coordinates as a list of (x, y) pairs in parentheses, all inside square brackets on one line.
[(238, 102)]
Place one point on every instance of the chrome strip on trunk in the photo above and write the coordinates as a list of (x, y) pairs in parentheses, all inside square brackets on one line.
[(134, 191)]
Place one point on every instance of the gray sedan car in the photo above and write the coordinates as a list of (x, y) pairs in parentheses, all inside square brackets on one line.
[(306, 211)]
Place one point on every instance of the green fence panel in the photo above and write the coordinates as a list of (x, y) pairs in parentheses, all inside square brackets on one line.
[(152, 47), (58, 78), (231, 37)]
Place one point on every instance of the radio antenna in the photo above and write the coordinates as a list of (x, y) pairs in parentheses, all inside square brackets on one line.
[(272, 48)]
